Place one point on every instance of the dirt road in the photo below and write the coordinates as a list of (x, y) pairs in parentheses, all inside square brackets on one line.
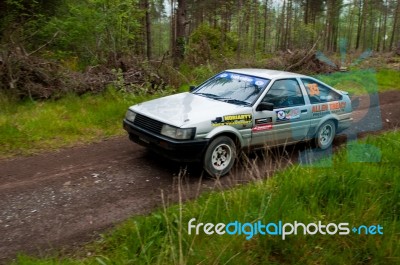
[(62, 199)]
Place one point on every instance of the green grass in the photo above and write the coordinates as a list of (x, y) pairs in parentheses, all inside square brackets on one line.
[(388, 79), (360, 82), (357, 193), (30, 127)]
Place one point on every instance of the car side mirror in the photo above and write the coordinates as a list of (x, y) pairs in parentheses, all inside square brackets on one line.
[(265, 106), (192, 88)]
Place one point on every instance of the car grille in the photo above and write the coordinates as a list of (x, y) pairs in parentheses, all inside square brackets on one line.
[(148, 123)]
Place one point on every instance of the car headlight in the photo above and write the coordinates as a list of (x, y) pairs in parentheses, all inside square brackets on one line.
[(177, 133), (130, 116)]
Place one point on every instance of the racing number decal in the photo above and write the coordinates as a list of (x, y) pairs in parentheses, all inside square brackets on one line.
[(313, 88)]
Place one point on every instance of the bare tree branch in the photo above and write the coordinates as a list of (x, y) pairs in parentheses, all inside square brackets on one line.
[(44, 45), (308, 55)]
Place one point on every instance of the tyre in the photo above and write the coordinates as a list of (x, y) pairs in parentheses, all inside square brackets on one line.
[(325, 135), (219, 156)]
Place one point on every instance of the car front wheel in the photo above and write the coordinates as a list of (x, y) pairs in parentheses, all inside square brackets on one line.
[(219, 156), (325, 135)]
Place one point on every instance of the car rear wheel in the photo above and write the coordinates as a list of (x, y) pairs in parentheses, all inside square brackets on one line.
[(325, 135), (219, 156)]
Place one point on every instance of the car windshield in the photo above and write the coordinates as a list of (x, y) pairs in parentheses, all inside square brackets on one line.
[(233, 88)]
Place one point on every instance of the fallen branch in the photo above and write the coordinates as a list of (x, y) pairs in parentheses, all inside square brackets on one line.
[(44, 45), (162, 60)]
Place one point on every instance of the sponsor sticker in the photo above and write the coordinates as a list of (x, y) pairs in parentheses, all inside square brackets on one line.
[(232, 120), (281, 115), (337, 105), (259, 83), (290, 114), (263, 127), (244, 78), (327, 108)]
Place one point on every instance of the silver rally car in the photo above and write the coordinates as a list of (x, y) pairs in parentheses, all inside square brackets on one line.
[(236, 110)]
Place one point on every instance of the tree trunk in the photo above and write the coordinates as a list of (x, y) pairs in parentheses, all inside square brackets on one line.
[(384, 27), (351, 26), (255, 26), (288, 24), (173, 28), (365, 12), (306, 11), (378, 44), (281, 34), (148, 30), (240, 26), (359, 25), (395, 22), (265, 26), (180, 40)]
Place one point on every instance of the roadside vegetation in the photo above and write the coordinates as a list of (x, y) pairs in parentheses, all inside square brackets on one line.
[(32, 126), (348, 191), (363, 81), (49, 49)]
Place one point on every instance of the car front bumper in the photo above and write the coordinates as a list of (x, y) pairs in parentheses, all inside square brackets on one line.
[(177, 150)]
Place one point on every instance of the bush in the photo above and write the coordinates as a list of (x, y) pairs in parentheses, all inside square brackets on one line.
[(207, 43)]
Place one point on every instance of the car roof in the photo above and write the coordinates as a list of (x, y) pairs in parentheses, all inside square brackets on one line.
[(265, 73)]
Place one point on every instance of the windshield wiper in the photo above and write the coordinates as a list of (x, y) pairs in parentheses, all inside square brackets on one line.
[(236, 101), (208, 95), (227, 100)]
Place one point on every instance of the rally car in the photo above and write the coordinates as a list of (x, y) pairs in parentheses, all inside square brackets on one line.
[(239, 109)]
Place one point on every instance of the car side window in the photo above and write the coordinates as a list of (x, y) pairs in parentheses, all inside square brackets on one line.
[(285, 93), (319, 93)]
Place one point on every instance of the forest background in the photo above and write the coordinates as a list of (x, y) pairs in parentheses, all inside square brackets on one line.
[(51, 48)]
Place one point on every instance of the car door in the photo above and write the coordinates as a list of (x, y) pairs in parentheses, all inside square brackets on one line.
[(289, 121)]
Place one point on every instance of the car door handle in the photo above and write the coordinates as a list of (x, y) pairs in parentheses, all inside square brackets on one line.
[(304, 111)]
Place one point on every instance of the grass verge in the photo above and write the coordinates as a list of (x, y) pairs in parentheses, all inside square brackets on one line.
[(29, 127), (358, 82), (350, 192)]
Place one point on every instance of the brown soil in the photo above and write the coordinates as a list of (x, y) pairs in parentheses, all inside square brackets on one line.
[(60, 200)]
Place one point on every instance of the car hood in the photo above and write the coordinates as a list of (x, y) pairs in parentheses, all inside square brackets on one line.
[(186, 109)]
